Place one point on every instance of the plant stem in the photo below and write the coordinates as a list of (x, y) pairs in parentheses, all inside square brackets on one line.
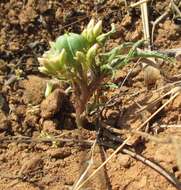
[(80, 106), (82, 96)]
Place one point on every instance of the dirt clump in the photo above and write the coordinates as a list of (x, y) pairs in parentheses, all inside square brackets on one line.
[(52, 104), (34, 88)]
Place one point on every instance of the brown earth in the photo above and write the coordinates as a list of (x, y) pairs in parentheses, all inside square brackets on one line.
[(25, 114)]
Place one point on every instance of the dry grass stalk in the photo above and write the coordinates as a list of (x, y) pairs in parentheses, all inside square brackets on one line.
[(138, 3), (103, 164), (159, 19), (83, 175), (145, 22), (151, 74), (155, 101)]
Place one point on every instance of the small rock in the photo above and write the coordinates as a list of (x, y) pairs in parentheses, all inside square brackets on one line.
[(52, 104), (151, 74), (42, 147), (43, 6), (34, 88), (30, 64), (14, 46), (136, 34), (177, 102), (20, 110)]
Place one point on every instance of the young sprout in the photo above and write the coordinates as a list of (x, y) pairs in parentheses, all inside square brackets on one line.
[(82, 60)]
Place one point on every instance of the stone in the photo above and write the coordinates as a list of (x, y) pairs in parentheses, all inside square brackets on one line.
[(52, 104), (177, 102)]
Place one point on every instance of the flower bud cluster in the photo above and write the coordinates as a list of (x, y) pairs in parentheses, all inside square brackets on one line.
[(92, 31), (53, 62), (75, 54)]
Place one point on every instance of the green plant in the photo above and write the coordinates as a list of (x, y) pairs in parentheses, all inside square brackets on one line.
[(84, 61)]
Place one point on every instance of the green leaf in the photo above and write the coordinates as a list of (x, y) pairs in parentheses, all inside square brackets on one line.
[(101, 39)]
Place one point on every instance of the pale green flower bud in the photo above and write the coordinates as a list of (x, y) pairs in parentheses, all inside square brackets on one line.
[(84, 33), (97, 29), (90, 56), (53, 62), (91, 24), (90, 34), (45, 66), (80, 57), (59, 61)]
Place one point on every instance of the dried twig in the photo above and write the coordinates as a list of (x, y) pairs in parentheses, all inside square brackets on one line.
[(82, 177), (153, 102), (175, 7), (103, 164), (145, 21), (156, 167), (21, 139), (158, 110), (163, 16), (155, 23), (138, 3), (123, 82)]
